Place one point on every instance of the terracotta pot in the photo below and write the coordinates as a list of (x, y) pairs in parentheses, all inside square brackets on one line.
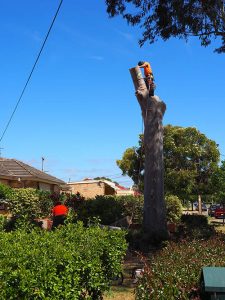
[(171, 227)]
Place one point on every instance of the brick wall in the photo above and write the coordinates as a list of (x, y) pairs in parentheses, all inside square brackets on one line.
[(4, 181), (88, 190), (31, 184), (92, 189)]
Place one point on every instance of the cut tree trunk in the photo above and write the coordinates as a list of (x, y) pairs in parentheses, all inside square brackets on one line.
[(153, 109)]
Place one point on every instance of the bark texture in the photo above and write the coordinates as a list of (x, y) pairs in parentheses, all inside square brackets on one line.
[(153, 109)]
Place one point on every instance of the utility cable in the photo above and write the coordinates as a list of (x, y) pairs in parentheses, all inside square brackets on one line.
[(32, 70)]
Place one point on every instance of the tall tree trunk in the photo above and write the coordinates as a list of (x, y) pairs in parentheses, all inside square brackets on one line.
[(154, 219)]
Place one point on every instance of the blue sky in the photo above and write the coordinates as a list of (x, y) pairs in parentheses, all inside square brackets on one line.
[(79, 110)]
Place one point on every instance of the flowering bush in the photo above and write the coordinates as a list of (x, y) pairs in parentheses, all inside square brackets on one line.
[(175, 271)]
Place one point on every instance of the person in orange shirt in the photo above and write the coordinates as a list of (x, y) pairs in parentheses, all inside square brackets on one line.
[(59, 213), (149, 78)]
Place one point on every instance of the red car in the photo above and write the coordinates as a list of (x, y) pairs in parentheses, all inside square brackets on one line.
[(219, 212)]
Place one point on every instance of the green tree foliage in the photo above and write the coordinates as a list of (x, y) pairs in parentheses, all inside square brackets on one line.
[(190, 159), (176, 18), (218, 181), (71, 263), (132, 164)]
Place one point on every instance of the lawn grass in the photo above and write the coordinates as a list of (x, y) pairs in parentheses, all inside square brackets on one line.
[(126, 290), (218, 224), (221, 229), (120, 293)]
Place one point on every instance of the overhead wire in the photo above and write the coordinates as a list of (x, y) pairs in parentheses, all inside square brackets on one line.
[(32, 70), (113, 175)]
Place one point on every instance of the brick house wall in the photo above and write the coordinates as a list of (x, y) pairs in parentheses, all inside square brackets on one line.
[(91, 189), (4, 181), (31, 184)]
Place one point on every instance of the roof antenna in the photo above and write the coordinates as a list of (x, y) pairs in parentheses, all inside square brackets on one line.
[(1, 152), (42, 164)]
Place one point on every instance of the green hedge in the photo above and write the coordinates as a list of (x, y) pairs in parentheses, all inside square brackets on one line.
[(175, 272), (112, 208), (72, 262), (195, 227), (195, 220)]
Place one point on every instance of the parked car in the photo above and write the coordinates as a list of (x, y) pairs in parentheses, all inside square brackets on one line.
[(204, 207), (219, 212), (212, 208)]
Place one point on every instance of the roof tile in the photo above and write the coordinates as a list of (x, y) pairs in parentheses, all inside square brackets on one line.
[(13, 167)]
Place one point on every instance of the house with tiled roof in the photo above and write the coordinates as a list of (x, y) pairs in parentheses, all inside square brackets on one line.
[(123, 191), (17, 174), (89, 188)]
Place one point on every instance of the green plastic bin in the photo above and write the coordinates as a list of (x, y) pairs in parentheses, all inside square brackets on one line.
[(213, 283)]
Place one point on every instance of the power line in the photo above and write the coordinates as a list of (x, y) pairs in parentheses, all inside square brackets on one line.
[(121, 176), (111, 175), (32, 70)]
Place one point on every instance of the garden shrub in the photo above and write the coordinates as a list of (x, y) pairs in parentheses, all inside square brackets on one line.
[(24, 203), (132, 206), (195, 220), (73, 262), (175, 271), (174, 208), (111, 208), (105, 207), (196, 227), (46, 202), (5, 191), (3, 221), (74, 201)]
